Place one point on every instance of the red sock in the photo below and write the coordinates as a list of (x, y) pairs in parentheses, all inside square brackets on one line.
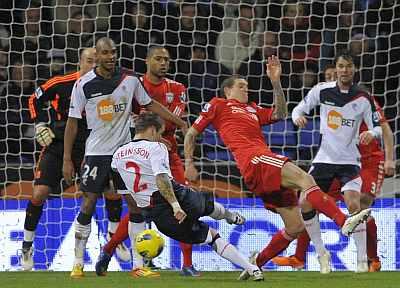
[(324, 204), (303, 241), (279, 242), (119, 236), (372, 240), (186, 253)]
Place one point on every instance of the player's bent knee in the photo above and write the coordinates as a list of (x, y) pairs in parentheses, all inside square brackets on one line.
[(40, 193), (366, 200), (295, 229), (88, 202)]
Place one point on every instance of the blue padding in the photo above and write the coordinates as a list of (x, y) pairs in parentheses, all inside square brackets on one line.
[(282, 133), (310, 136), (222, 155), (211, 137)]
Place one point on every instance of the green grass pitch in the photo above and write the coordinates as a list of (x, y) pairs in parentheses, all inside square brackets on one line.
[(208, 279)]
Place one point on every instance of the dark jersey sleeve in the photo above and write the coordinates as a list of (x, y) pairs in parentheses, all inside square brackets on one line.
[(38, 102)]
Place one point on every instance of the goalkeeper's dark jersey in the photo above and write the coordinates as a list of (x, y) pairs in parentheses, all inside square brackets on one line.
[(50, 104)]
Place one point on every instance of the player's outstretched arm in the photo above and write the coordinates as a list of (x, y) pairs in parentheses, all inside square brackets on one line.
[(167, 191), (159, 109), (388, 144), (274, 71), (191, 172), (69, 139)]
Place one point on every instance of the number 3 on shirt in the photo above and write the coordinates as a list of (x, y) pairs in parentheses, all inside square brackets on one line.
[(136, 187)]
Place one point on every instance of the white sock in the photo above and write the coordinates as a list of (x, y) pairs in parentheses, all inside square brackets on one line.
[(218, 212), (112, 226), (314, 231), (230, 253), (133, 230), (82, 233), (28, 235), (360, 239)]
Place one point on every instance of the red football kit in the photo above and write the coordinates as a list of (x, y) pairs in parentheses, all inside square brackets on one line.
[(372, 164), (172, 95), (239, 126)]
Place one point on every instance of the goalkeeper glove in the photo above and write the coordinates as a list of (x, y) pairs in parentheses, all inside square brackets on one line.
[(44, 136)]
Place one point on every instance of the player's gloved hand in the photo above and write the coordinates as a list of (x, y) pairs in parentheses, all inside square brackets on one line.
[(366, 137), (390, 167), (44, 136), (300, 122), (191, 172), (179, 214)]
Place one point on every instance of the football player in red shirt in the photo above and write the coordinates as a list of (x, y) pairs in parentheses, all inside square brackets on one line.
[(172, 95), (375, 164), (270, 176)]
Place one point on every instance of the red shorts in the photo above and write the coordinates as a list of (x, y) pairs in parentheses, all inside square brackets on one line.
[(263, 177), (372, 179), (177, 169), (279, 199)]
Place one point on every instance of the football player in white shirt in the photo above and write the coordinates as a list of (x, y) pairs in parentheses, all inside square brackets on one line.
[(344, 106), (143, 166), (108, 95)]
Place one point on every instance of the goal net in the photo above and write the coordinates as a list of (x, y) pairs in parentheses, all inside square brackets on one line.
[(208, 41)]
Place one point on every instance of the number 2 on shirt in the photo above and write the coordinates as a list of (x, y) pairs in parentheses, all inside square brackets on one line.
[(136, 187)]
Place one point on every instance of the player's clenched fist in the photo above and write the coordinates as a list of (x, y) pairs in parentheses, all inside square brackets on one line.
[(300, 122), (191, 172), (179, 214), (44, 136)]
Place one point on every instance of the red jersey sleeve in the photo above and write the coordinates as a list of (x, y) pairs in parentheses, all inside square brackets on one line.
[(207, 115), (179, 103), (379, 110), (264, 114)]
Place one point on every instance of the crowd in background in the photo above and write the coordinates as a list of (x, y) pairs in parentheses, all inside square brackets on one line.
[(208, 41)]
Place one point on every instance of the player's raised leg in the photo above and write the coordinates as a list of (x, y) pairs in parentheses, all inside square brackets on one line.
[(313, 198)]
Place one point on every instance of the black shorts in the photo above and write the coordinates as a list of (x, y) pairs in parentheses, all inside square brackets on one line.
[(195, 204), (50, 164), (324, 174), (96, 173)]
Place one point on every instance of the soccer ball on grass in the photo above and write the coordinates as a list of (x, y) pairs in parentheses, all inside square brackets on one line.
[(149, 243)]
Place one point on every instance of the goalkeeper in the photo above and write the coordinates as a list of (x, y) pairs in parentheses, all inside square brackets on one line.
[(57, 90)]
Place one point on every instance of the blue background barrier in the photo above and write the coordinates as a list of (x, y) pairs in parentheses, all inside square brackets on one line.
[(54, 240)]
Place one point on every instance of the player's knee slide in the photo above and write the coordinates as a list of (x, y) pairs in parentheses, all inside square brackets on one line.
[(136, 218), (309, 215), (84, 219), (114, 209)]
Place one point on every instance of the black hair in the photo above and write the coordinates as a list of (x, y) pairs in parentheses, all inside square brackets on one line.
[(329, 66), (344, 55), (153, 49)]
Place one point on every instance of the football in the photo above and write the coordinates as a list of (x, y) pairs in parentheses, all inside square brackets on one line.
[(149, 243)]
